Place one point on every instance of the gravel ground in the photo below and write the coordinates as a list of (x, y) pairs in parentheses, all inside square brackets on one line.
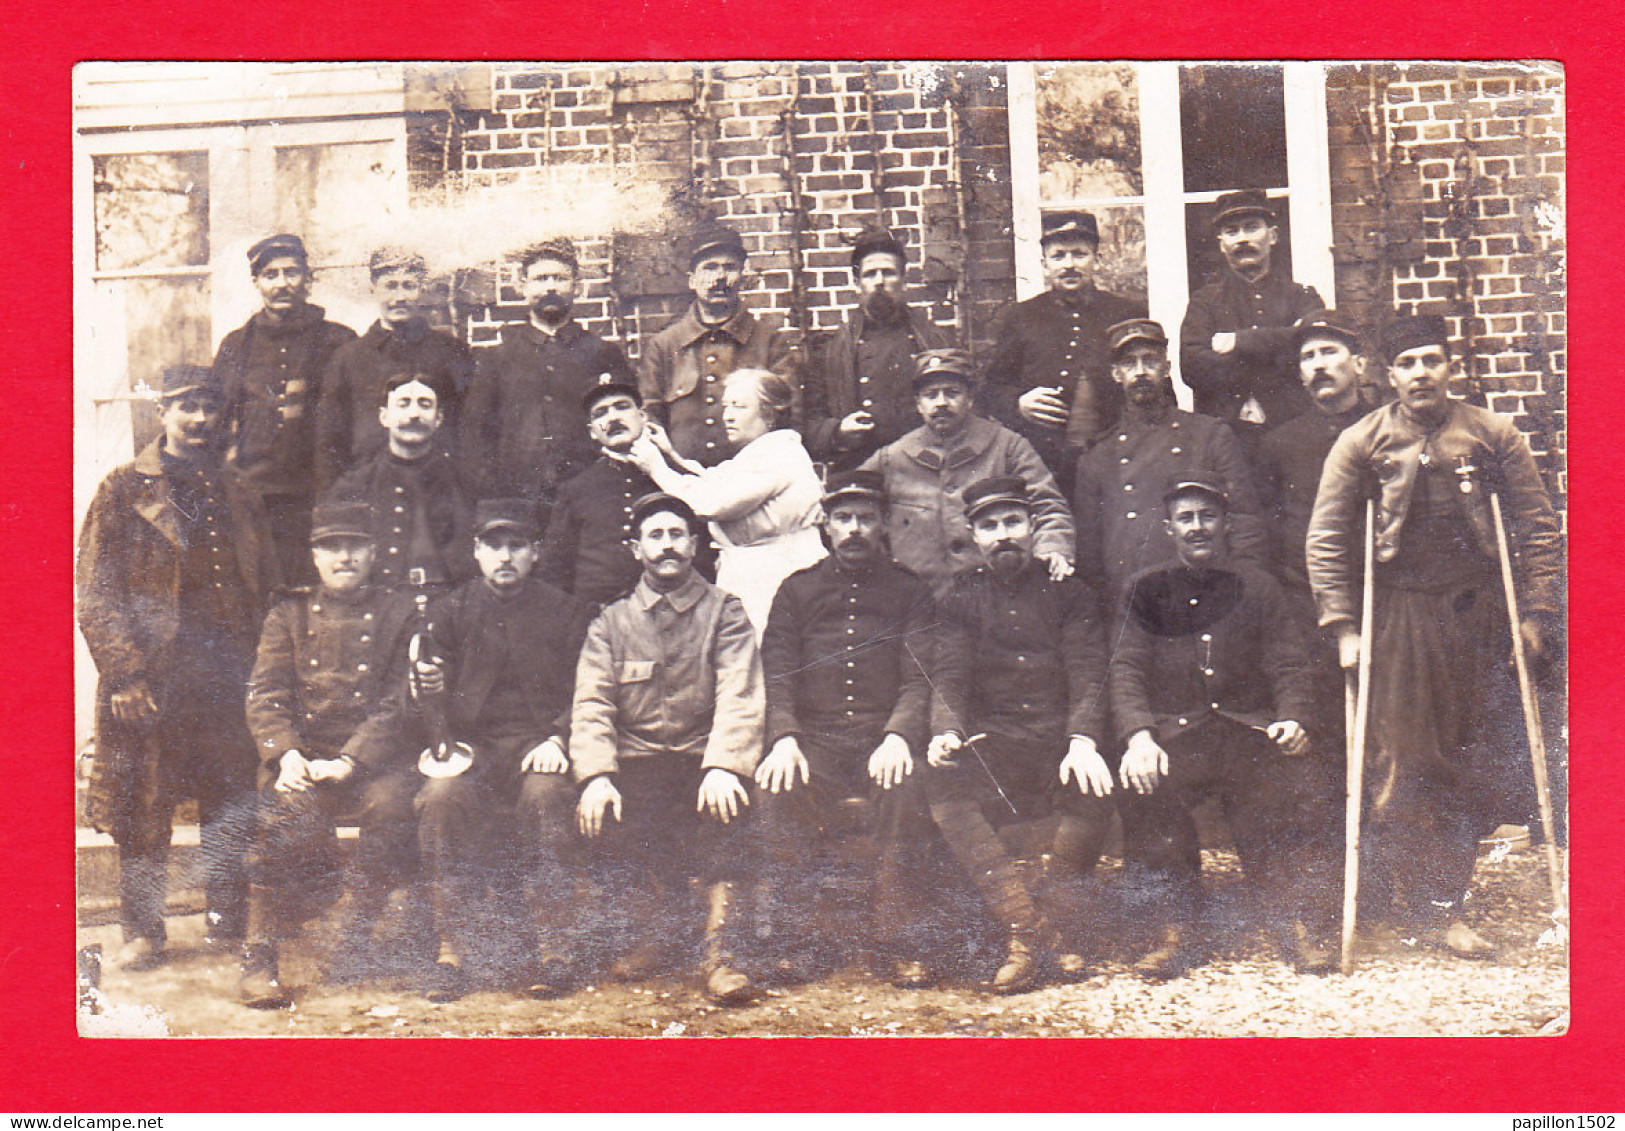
[(1398, 989)]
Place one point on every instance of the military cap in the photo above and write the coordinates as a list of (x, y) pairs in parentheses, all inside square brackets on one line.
[(608, 386), (1197, 482), (1328, 324), (281, 246), (1247, 202), (658, 502), (855, 485), (180, 379), (559, 248), (518, 515), (1070, 225), (1135, 330), (996, 491), (872, 240), (712, 238), (444, 388), (932, 364), (340, 520), (1409, 332), (395, 259)]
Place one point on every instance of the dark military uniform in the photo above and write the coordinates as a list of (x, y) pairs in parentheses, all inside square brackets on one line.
[(842, 659), (322, 668), (867, 366), (1117, 500), (423, 510), (587, 551), (1024, 662), (347, 431), (271, 375), (1205, 659), (524, 427), (174, 564), (1059, 339)]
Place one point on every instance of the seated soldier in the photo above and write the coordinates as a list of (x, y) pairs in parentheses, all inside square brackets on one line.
[(1019, 714), (665, 733), (323, 657), (847, 709), (1208, 682), (488, 700)]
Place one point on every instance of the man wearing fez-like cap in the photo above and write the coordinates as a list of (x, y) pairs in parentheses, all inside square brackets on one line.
[(682, 368), (1209, 690), (927, 470), (1443, 703), (175, 563), (1049, 374), (523, 424), (665, 734), (861, 397), (325, 656), (497, 664), (270, 371), (847, 710), (401, 339), (1235, 346), (1120, 479), (422, 495), (1018, 719)]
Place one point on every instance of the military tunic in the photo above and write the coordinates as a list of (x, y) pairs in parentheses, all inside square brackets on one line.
[(424, 514), (587, 548), (1264, 363), (867, 366)]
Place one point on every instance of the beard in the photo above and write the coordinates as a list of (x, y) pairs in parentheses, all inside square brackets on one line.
[(882, 307)]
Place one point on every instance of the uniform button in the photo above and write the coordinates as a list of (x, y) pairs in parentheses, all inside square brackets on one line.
[(361, 667), (1184, 722), (710, 422), (1128, 486), (710, 443), (358, 694), (365, 639), (366, 616), (400, 490), (314, 664), (1207, 638), (394, 549), (1207, 671), (400, 510), (1066, 373), (1123, 460), (1133, 514), (1215, 706), (1194, 600), (1174, 450), (1122, 438), (868, 404)]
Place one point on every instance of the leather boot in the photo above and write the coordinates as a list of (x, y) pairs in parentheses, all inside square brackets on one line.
[(1168, 959), (724, 984), (260, 985), (1024, 963)]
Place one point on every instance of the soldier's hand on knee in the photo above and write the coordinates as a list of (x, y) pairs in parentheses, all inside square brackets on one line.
[(294, 775), (721, 795), (943, 747), (1144, 763), (134, 704), (546, 757), (331, 769), (599, 795), (1348, 649), (1084, 765), (778, 771), (1059, 567), (891, 762), (1289, 736)]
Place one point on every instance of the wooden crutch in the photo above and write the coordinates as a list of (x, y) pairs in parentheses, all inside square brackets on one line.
[(1357, 699), (1531, 709)]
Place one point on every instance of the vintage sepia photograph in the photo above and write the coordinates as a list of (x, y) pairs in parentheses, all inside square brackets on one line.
[(853, 548)]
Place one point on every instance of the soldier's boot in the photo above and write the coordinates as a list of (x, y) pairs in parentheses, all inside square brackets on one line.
[(998, 880), (724, 984), (1066, 906), (260, 984), (1169, 958)]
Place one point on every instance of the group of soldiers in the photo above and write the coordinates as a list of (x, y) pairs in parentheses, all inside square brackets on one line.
[(383, 579)]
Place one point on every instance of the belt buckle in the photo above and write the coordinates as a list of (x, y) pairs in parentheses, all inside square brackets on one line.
[(418, 576)]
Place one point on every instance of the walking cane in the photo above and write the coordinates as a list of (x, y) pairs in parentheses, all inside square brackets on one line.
[(1531, 710), (1357, 698)]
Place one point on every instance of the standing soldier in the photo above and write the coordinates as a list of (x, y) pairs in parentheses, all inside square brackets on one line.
[(400, 341), (1049, 376), (323, 659), (1235, 346), (1019, 716), (523, 426), (682, 368), (863, 398), (270, 371), (1440, 772), (174, 566)]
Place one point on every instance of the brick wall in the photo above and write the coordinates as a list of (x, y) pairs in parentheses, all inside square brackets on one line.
[(1448, 198)]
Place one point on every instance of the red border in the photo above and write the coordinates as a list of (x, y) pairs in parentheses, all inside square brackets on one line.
[(46, 1067)]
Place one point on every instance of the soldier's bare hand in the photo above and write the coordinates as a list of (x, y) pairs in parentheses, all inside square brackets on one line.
[(657, 436), (1043, 405), (943, 747), (854, 425), (1289, 736), (1224, 343), (545, 758), (1348, 649), (1144, 763), (891, 762), (1084, 765), (294, 775), (598, 797), (721, 795), (783, 764), (330, 769), (134, 704), (1059, 568), (428, 678)]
